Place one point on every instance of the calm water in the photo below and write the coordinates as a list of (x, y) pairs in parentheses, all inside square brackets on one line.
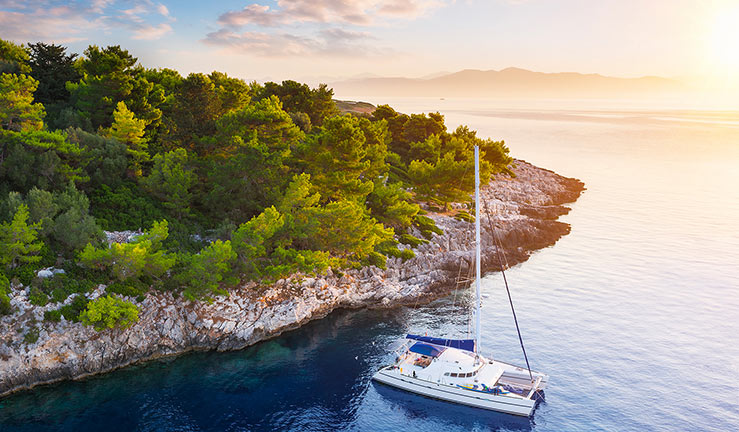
[(635, 314)]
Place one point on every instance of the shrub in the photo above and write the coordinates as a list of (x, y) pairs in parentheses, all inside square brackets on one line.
[(37, 297), (142, 257), (129, 288), (53, 315), (19, 243), (389, 248), (286, 261), (5, 308), (377, 259), (72, 311), (427, 226), (464, 216), (61, 286), (31, 336), (25, 273), (109, 312), (411, 241), (125, 207), (407, 254), (202, 273)]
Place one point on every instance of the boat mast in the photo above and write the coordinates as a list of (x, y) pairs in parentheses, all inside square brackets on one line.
[(477, 249)]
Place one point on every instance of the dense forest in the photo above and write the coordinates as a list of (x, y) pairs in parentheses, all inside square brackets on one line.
[(229, 181)]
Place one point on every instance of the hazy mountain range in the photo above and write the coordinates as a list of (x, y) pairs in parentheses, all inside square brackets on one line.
[(510, 82)]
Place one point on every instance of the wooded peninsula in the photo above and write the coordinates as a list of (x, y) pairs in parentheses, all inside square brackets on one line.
[(229, 181)]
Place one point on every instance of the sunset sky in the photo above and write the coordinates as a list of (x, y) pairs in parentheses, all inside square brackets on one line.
[(342, 38)]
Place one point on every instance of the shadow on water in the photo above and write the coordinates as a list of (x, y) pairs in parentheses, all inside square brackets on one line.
[(314, 378), (459, 416)]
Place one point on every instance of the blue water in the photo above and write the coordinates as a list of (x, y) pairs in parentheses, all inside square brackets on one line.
[(635, 314)]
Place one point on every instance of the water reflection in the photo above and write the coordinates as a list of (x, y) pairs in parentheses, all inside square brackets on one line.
[(445, 415), (634, 303)]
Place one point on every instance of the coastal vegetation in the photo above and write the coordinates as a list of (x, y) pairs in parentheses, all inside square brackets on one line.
[(231, 181)]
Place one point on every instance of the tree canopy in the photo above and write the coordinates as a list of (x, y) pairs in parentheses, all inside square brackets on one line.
[(224, 180)]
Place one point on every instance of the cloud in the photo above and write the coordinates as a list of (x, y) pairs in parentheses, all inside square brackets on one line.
[(265, 36), (54, 27), (148, 32), (251, 14), (354, 12), (63, 22), (328, 42), (407, 8), (98, 6), (163, 11), (342, 36)]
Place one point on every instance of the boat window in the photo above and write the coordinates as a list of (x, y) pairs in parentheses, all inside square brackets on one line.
[(446, 373), (454, 374), (469, 374)]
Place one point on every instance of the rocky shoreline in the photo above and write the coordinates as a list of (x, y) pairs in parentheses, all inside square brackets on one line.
[(526, 207)]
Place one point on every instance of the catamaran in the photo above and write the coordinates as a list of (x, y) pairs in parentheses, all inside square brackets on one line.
[(454, 370)]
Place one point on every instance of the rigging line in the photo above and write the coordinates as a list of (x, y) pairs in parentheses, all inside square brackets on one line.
[(499, 246), (470, 271), (459, 281)]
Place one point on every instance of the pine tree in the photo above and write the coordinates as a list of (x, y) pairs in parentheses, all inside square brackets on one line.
[(171, 180), (17, 110), (129, 130), (18, 240)]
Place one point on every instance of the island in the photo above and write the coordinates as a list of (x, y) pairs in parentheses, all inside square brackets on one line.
[(145, 214)]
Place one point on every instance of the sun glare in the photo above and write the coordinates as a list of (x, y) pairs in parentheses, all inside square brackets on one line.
[(725, 40)]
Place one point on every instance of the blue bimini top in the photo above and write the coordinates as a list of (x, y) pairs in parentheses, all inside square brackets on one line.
[(463, 344), (426, 349)]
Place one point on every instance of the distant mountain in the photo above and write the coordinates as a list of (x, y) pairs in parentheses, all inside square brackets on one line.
[(510, 82)]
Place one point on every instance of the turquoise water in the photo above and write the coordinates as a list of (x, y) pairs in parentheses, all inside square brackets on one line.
[(634, 315)]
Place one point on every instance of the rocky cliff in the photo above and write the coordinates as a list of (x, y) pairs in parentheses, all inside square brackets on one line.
[(526, 208)]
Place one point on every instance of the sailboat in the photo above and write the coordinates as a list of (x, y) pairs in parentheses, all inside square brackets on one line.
[(454, 370)]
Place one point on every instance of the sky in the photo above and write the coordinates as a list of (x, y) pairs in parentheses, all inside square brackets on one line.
[(332, 39)]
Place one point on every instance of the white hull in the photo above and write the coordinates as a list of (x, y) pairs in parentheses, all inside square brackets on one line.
[(511, 404)]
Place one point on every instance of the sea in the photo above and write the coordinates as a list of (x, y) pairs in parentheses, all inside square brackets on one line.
[(634, 315)]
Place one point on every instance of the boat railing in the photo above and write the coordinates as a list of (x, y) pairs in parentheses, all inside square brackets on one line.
[(535, 386)]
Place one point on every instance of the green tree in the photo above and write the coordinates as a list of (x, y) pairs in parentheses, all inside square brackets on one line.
[(103, 159), (392, 205), (299, 206), (448, 180), (420, 127), (13, 58), (170, 181), (200, 100), (345, 231), (337, 160), (52, 67), (5, 307), (18, 240), (142, 257), (233, 93), (253, 240), (109, 312), (298, 98), (428, 150), (125, 207), (109, 76), (494, 152), (395, 123), (202, 273), (249, 170), (73, 226), (129, 130), (39, 158), (17, 110)]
